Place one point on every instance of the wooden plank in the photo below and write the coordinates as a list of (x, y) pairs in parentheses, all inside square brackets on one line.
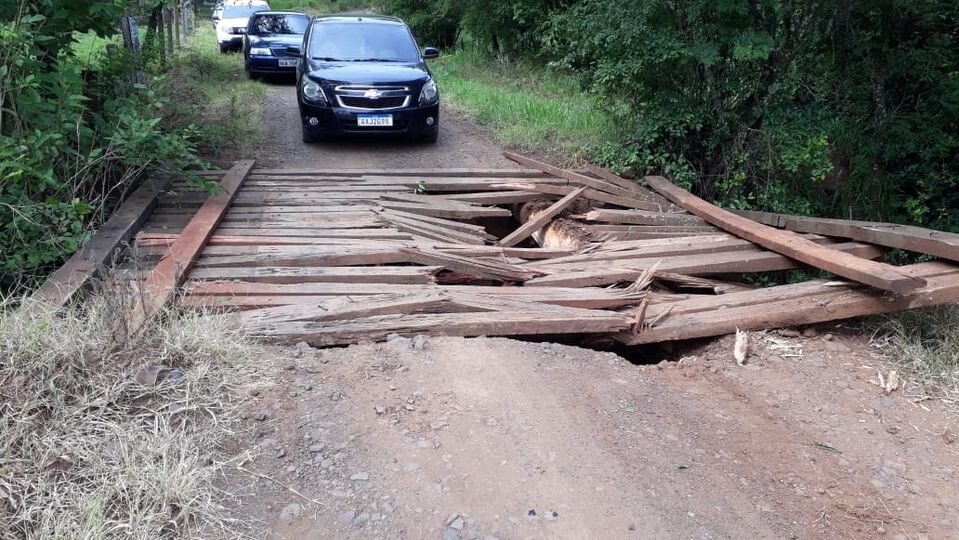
[(100, 251), (498, 197), (271, 256), (447, 212), (169, 273), (609, 272), (788, 243), (343, 307), (439, 222), (235, 293), (447, 324), (348, 274), (480, 268), (573, 177), (541, 219), (638, 191), (432, 232), (166, 239), (642, 217), (374, 234), (462, 172), (592, 194), (841, 303), (915, 239)]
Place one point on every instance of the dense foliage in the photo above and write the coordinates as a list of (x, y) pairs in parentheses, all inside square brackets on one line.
[(73, 137), (840, 108)]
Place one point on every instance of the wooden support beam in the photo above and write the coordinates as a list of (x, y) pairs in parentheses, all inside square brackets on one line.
[(541, 219), (159, 287), (788, 243), (915, 239), (100, 251), (592, 194)]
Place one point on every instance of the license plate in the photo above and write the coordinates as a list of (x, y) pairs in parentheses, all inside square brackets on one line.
[(374, 120), (288, 62)]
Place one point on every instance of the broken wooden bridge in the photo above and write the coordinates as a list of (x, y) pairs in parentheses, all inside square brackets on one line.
[(336, 257)]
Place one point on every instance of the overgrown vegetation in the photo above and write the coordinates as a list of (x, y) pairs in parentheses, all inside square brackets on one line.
[(526, 104), (95, 445), (315, 7), (846, 109), (924, 344), (71, 137)]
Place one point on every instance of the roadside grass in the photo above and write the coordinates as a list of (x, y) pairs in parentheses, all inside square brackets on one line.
[(525, 105), (209, 93), (924, 345), (90, 450)]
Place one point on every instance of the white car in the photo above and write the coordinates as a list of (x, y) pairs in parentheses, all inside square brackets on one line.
[(230, 22)]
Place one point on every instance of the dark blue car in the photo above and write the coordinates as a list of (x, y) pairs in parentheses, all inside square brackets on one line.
[(269, 37), (365, 76)]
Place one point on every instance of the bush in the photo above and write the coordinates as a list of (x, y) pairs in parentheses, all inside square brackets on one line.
[(73, 141)]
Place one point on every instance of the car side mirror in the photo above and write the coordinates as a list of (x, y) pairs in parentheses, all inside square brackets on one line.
[(294, 51), (430, 53), (216, 19)]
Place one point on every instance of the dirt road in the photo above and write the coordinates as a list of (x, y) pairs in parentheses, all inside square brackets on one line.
[(496, 438), (461, 143)]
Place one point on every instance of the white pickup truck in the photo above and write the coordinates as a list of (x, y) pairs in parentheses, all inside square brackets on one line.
[(230, 20)]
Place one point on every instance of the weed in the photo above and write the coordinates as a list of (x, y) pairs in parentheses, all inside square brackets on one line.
[(211, 96), (924, 345), (320, 6), (92, 450), (525, 104)]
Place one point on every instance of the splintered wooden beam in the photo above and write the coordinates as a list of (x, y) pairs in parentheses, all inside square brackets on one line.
[(790, 244), (638, 190), (169, 273), (915, 239), (641, 217), (340, 274), (791, 305), (541, 219), (98, 253), (485, 323), (591, 194)]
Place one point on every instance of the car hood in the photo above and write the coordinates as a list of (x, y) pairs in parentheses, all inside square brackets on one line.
[(367, 72), (276, 39)]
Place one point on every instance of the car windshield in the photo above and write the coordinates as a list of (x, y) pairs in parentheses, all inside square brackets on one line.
[(357, 42), (279, 24), (239, 12)]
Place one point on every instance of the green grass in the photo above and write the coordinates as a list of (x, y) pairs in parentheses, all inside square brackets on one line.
[(210, 91), (89, 47), (525, 105), (314, 7)]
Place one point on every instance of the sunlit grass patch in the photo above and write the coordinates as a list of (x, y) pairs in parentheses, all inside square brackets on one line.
[(525, 105)]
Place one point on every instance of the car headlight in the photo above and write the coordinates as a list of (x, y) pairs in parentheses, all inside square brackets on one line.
[(313, 92), (260, 51), (429, 95)]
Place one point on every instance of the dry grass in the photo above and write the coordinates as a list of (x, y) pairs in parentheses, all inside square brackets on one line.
[(924, 345), (87, 451)]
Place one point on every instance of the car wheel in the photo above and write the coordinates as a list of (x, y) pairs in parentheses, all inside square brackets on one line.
[(223, 49), (432, 138), (308, 136), (252, 76)]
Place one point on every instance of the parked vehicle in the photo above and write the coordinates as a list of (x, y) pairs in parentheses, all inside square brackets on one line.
[(268, 38), (365, 76), (232, 23)]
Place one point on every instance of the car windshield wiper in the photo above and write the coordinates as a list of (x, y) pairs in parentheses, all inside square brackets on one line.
[(376, 60), (327, 59)]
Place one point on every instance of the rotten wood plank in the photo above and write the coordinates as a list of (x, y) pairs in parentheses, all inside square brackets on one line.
[(100, 251), (300, 276), (788, 243)]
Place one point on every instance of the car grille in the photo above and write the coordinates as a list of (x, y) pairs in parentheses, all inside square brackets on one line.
[(279, 51), (361, 98)]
